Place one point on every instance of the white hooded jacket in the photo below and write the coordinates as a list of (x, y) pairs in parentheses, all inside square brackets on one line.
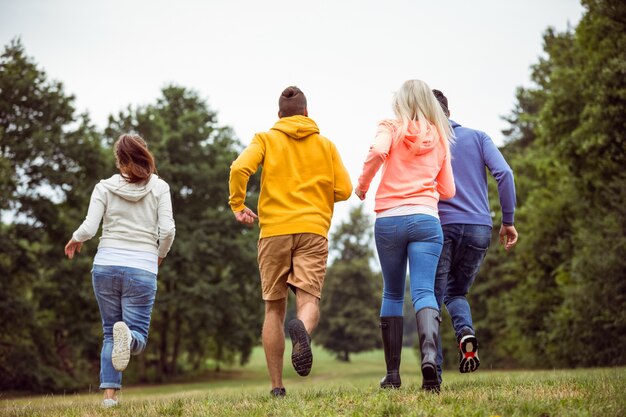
[(134, 216)]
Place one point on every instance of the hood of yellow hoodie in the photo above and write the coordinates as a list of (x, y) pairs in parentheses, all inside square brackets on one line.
[(421, 138), (296, 127)]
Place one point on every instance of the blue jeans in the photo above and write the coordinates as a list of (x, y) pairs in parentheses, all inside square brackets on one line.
[(123, 294), (464, 248), (417, 239)]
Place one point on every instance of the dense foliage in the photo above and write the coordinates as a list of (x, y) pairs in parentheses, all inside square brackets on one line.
[(207, 310), (558, 299), (555, 301)]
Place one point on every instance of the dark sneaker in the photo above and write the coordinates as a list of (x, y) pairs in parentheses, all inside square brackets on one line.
[(278, 392), (468, 354), (301, 355)]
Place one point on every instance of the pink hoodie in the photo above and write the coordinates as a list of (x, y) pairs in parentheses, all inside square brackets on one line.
[(416, 169)]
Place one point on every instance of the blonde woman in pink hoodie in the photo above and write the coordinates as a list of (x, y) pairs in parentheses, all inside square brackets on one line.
[(414, 153)]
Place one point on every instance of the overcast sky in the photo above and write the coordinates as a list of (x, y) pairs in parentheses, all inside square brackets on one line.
[(347, 56)]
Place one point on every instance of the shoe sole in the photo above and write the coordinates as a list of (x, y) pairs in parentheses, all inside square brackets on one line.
[(301, 355), (390, 385), (469, 361), (121, 346), (110, 403), (430, 379), (278, 393), (391, 380)]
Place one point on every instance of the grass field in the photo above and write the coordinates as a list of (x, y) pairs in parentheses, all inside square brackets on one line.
[(351, 389)]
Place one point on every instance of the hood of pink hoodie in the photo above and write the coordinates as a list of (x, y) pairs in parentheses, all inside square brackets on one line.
[(421, 138)]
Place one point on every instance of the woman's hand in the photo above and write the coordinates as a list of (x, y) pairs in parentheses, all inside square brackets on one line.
[(72, 247), (359, 194)]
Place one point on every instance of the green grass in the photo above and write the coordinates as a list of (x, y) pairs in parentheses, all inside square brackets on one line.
[(351, 389)]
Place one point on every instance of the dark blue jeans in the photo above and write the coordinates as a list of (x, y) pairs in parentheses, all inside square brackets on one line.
[(414, 238), (123, 294), (464, 248)]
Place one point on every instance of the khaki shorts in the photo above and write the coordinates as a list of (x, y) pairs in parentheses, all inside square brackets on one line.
[(297, 260)]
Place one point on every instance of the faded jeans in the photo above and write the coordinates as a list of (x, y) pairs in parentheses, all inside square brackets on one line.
[(123, 294), (416, 239)]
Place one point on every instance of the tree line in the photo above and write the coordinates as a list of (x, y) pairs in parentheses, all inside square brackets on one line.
[(558, 299), (207, 311), (555, 301)]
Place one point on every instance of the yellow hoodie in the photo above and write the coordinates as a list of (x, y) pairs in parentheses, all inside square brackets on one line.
[(302, 178)]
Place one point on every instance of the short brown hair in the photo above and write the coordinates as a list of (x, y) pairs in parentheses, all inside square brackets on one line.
[(134, 160), (443, 101), (292, 102)]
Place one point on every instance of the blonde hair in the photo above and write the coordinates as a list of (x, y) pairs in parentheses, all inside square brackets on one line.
[(416, 101)]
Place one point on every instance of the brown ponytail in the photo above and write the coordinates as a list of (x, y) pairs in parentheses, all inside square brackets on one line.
[(134, 160)]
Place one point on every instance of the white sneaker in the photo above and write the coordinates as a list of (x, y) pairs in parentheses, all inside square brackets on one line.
[(109, 402), (122, 338)]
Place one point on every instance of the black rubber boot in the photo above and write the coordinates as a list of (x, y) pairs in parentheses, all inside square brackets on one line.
[(391, 329), (428, 320)]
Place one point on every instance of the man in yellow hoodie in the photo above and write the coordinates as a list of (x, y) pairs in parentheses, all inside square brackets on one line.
[(302, 178)]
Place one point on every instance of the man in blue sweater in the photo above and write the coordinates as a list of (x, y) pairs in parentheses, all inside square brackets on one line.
[(466, 223)]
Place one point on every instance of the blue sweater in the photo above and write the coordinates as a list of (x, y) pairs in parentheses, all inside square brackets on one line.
[(472, 152)]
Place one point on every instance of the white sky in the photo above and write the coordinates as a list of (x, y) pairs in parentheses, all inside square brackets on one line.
[(347, 56)]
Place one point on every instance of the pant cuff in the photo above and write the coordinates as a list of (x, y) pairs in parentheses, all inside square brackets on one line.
[(420, 307), (110, 385)]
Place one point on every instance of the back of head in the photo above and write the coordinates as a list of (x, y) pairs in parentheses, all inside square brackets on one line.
[(292, 102), (443, 101), (415, 101), (134, 160)]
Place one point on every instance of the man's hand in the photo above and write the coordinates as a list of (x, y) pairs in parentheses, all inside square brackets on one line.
[(160, 261), (246, 216), (508, 236), (73, 247), (359, 194)]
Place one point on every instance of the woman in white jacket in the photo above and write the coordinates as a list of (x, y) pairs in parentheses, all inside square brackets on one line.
[(135, 208)]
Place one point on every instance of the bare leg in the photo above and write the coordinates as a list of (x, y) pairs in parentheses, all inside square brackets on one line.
[(274, 339), (109, 393), (308, 309)]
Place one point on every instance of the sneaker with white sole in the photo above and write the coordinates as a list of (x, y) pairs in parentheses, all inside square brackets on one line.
[(122, 338), (109, 402), (468, 354)]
